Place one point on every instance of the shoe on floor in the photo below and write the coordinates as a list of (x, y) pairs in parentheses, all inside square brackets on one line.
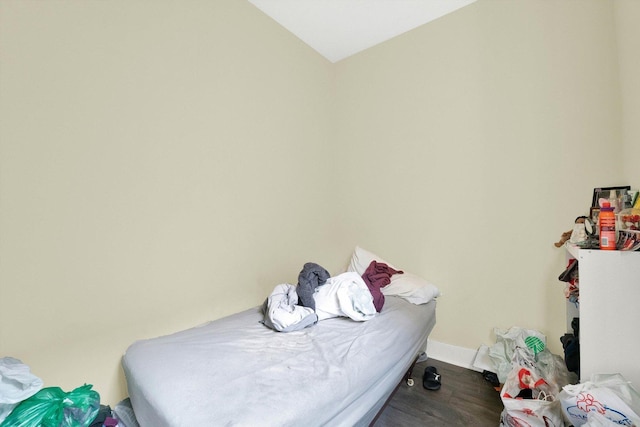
[(431, 378)]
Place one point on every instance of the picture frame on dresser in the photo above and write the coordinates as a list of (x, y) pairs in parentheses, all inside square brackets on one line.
[(604, 193)]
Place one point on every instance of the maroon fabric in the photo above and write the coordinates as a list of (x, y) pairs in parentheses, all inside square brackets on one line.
[(377, 276)]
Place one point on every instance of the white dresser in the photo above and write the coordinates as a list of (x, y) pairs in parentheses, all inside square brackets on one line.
[(609, 313)]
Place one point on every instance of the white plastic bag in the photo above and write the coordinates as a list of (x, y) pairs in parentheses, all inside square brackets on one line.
[(502, 351), (609, 395), (595, 419), (540, 407), (17, 383)]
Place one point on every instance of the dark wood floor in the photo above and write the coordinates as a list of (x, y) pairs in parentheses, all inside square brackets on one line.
[(464, 399)]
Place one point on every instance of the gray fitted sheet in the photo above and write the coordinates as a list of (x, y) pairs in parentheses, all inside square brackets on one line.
[(236, 372)]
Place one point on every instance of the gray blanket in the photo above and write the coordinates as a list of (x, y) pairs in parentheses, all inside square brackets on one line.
[(311, 276)]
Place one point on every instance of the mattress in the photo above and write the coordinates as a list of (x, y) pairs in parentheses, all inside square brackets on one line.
[(235, 371)]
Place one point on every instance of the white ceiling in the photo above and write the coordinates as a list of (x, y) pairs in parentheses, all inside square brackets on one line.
[(340, 28)]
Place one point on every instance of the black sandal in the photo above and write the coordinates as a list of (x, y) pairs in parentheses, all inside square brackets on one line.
[(431, 378)]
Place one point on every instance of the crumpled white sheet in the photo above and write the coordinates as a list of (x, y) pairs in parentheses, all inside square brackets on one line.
[(282, 312), (344, 295)]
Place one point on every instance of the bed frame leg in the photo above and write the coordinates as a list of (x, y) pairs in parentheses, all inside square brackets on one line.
[(408, 377)]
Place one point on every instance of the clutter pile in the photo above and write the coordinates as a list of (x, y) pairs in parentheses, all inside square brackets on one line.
[(537, 388), (25, 403), (530, 376), (572, 279)]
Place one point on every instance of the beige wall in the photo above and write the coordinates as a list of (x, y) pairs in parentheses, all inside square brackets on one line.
[(479, 139), (162, 164), (167, 163), (628, 38)]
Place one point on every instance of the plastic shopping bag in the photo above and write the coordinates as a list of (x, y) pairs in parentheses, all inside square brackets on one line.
[(528, 400), (553, 368), (501, 353), (608, 395), (595, 419), (528, 397), (16, 384), (52, 407)]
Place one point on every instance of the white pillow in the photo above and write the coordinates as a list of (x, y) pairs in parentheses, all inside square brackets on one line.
[(412, 288), (408, 286), (361, 259)]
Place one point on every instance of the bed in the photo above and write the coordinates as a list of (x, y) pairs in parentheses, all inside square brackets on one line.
[(236, 371)]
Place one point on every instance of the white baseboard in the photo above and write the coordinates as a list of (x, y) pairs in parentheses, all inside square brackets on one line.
[(459, 356)]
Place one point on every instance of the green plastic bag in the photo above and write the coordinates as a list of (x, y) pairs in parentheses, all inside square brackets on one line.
[(52, 407)]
